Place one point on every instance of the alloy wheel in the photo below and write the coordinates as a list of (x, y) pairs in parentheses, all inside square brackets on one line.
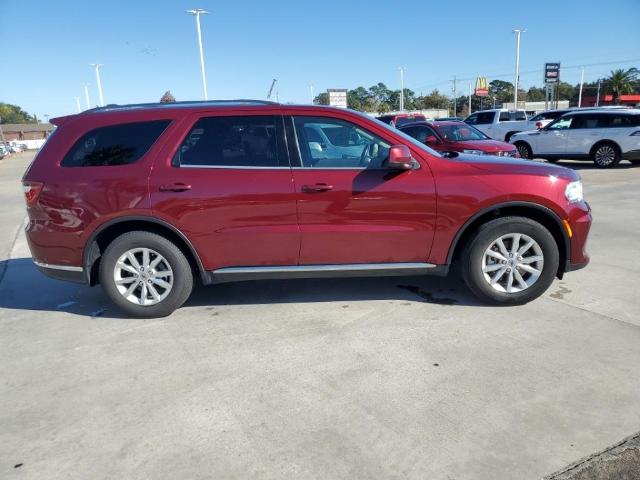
[(143, 276), (605, 155), (512, 263)]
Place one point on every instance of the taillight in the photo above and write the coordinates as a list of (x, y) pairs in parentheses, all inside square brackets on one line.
[(32, 191)]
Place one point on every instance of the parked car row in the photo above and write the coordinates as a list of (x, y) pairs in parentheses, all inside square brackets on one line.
[(146, 199), (7, 148)]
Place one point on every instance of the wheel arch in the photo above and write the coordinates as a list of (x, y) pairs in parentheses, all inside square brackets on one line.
[(541, 214), (602, 141), (508, 136), (108, 231)]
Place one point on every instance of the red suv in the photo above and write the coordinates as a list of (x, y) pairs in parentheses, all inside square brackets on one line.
[(143, 199)]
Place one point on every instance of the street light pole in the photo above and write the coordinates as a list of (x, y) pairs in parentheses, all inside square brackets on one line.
[(518, 32), (97, 66), (598, 95), (86, 95), (311, 92), (197, 12), (580, 94), (78, 104), (401, 88)]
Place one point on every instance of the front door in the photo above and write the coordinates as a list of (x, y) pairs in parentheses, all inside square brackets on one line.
[(553, 138), (228, 187), (351, 207)]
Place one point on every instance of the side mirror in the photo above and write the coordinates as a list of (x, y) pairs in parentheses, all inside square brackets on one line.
[(431, 139), (400, 158), (315, 146)]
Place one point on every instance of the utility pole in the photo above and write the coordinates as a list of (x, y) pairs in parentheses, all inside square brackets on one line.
[(197, 12), (518, 32), (311, 92), (469, 100), (86, 95), (401, 88), (455, 100), (598, 95), (78, 104), (97, 66), (581, 82)]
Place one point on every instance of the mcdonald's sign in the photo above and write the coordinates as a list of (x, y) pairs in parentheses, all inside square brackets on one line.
[(482, 87)]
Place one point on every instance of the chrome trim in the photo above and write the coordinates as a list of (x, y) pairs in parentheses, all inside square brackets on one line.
[(325, 268), (66, 268), (232, 167)]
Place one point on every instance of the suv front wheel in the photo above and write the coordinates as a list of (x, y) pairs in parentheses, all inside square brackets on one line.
[(606, 155), (510, 261), (145, 274)]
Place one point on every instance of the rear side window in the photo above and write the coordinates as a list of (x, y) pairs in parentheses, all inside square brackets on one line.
[(247, 141), (120, 144), (410, 119), (520, 115)]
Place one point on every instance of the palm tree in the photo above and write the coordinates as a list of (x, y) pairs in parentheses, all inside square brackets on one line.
[(622, 82)]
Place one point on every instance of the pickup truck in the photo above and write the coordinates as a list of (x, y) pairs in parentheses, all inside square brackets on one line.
[(499, 124)]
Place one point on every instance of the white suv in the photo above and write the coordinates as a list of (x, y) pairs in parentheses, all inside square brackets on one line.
[(606, 137)]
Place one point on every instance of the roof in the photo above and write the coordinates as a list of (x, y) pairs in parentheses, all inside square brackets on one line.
[(612, 111), (26, 127), (190, 104)]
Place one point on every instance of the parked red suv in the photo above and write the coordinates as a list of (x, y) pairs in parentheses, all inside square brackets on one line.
[(144, 198), (454, 136)]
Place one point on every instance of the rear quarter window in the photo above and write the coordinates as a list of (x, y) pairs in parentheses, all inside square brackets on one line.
[(120, 144)]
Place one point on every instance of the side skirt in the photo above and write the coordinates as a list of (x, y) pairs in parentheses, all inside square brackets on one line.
[(240, 274)]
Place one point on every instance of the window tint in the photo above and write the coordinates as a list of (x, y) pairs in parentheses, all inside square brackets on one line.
[(410, 119), (504, 117), (560, 123), (520, 115), (472, 120), (617, 120), (587, 121), (485, 118), (114, 145), (343, 145), (419, 133), (250, 141)]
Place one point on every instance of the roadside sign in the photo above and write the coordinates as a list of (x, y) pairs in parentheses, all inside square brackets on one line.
[(337, 97), (551, 72), (482, 87)]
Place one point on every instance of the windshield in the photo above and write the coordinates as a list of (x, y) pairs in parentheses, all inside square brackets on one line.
[(460, 133), (407, 138)]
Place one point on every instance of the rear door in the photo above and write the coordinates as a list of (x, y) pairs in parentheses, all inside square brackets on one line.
[(225, 181), (351, 208), (584, 132), (553, 138)]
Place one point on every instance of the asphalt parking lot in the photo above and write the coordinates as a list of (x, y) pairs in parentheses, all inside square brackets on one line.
[(332, 379)]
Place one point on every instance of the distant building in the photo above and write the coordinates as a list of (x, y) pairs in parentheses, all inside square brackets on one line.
[(31, 134), (631, 100)]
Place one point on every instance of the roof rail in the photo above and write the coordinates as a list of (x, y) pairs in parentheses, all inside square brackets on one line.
[(241, 101)]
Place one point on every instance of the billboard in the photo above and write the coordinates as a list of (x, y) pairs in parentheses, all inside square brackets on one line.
[(337, 97), (551, 72), (482, 87)]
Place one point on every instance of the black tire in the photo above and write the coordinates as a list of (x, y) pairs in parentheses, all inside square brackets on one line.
[(606, 155), (182, 273), (524, 149), (484, 236)]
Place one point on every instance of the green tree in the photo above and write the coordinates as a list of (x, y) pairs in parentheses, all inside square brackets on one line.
[(502, 91), (622, 82), (535, 94), (14, 114), (167, 97), (321, 99)]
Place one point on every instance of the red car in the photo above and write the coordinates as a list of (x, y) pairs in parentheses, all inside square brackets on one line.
[(453, 136), (145, 199)]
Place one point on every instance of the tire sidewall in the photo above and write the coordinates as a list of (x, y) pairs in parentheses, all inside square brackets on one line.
[(490, 232), (525, 146), (616, 158), (182, 273)]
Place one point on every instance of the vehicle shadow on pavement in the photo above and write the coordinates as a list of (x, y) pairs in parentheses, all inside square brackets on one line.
[(23, 287), (588, 165)]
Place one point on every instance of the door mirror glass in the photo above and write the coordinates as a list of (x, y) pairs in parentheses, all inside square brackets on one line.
[(400, 158)]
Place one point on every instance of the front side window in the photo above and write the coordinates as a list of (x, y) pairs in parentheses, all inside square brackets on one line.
[(338, 144), (485, 118), (238, 141), (586, 121), (472, 120), (561, 123), (121, 144)]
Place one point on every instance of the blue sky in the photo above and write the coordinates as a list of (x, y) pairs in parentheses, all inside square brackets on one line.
[(150, 46)]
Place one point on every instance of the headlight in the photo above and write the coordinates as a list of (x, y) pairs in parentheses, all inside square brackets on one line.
[(573, 192), (475, 152)]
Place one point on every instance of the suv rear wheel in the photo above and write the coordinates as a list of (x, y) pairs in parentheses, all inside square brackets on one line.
[(510, 261), (605, 155), (145, 274)]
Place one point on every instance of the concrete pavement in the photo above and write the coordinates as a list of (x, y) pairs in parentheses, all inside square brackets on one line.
[(376, 378)]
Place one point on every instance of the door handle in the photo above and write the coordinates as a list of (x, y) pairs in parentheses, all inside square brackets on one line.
[(318, 187), (175, 187)]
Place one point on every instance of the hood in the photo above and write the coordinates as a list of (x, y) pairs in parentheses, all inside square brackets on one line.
[(485, 145), (515, 165), (525, 133)]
